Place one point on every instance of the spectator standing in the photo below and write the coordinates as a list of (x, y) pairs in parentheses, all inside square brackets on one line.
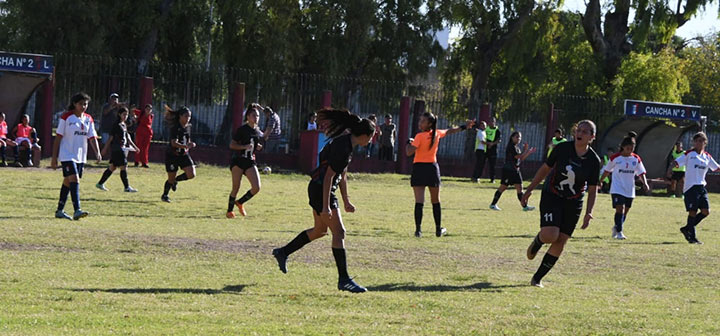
[(480, 144), (370, 149), (492, 137), (109, 115), (144, 134), (272, 134), (312, 122), (387, 139)]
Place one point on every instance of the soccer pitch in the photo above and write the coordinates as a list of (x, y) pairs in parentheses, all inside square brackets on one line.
[(137, 265)]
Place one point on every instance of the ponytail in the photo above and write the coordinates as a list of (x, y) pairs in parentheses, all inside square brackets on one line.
[(173, 117), (80, 96), (337, 121), (432, 119)]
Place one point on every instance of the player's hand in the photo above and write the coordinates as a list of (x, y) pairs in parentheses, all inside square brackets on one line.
[(586, 221), (53, 164), (469, 123), (349, 207), (326, 214), (525, 147), (526, 196), (647, 189), (532, 150)]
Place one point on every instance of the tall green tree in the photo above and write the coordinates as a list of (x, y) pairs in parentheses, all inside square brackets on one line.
[(703, 71)]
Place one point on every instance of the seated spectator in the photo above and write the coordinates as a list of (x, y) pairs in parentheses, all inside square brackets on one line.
[(312, 124), (5, 142), (26, 139)]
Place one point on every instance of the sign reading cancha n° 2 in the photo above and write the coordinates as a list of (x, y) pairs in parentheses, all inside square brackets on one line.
[(640, 108), (27, 63)]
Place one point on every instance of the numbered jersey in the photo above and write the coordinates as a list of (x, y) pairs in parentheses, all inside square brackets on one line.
[(182, 136), (697, 166), (571, 174), (624, 169), (246, 135)]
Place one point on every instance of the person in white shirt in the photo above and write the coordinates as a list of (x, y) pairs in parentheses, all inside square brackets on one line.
[(312, 124), (623, 166), (75, 129), (480, 144), (697, 163)]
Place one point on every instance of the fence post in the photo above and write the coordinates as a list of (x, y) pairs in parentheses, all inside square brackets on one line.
[(238, 103), (327, 99), (418, 110), (403, 162), (551, 127), (484, 114), (46, 94)]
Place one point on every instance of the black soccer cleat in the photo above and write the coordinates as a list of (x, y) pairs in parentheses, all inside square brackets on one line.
[(165, 198), (418, 234), (686, 232), (536, 283), (439, 232), (281, 259), (695, 241), (351, 286), (80, 214)]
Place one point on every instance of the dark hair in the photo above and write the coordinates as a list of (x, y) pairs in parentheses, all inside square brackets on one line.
[(628, 140), (632, 134), (372, 117), (337, 121), (388, 116), (678, 143), (252, 107), (700, 135), (612, 149), (559, 131), (172, 117), (312, 114), (80, 96), (433, 126), (512, 136)]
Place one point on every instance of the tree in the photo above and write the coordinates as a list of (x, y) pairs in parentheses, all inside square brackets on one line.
[(703, 71), (644, 76), (617, 37)]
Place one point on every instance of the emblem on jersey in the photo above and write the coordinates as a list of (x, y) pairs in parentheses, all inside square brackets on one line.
[(569, 180)]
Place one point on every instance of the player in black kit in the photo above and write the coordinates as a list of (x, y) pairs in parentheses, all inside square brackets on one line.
[(511, 170), (245, 142), (326, 178), (572, 168), (177, 156), (118, 144)]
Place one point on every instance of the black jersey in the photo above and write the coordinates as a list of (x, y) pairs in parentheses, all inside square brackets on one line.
[(571, 173), (511, 162), (336, 155), (120, 136), (182, 136), (246, 135)]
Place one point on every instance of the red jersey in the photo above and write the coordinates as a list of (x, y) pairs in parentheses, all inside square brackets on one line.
[(23, 131), (3, 130), (144, 121)]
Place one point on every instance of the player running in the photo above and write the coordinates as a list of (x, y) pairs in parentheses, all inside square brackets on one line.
[(511, 170), (244, 143), (177, 156), (119, 144)]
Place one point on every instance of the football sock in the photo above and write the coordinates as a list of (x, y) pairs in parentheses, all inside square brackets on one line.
[(341, 262), (123, 177), (537, 244), (699, 217), (231, 203), (75, 195), (618, 222), (166, 188), (2, 153), (105, 176), (496, 198), (64, 191), (418, 215), (547, 263), (437, 215), (182, 177), (301, 240), (248, 195), (519, 196)]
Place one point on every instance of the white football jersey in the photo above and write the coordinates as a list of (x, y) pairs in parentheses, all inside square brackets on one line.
[(75, 134), (696, 167), (624, 169)]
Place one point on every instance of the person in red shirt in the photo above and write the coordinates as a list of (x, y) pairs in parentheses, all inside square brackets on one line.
[(5, 142), (143, 134), (26, 139)]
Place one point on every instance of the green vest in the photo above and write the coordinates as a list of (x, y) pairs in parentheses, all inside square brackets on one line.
[(555, 142), (606, 159), (490, 134), (676, 155)]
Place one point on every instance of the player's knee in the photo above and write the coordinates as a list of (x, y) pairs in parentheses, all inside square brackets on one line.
[(255, 189), (549, 237), (705, 212), (190, 175)]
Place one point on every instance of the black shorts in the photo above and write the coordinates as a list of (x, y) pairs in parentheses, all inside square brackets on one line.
[(677, 175), (174, 162), (71, 168), (696, 198), (618, 199), (118, 158), (425, 175), (560, 212), (315, 198), (510, 177), (243, 163)]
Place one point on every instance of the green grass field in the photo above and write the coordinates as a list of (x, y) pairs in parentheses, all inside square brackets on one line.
[(140, 266)]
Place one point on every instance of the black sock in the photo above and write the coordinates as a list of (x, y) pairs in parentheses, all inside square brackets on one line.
[(166, 188), (496, 198), (64, 191), (75, 195), (537, 244), (182, 177), (418, 216), (341, 262), (618, 222), (699, 217), (123, 177), (105, 176), (437, 215), (520, 195), (231, 203), (2, 153), (547, 263), (301, 240), (248, 195)]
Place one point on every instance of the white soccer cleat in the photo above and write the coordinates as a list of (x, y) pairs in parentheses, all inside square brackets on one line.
[(528, 208), (620, 236), (495, 207), (614, 232)]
